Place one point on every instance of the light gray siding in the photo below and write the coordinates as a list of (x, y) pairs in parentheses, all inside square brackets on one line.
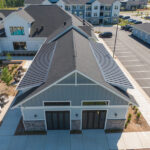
[(75, 94)]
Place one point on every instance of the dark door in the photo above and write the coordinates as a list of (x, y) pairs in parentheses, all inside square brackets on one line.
[(58, 120), (93, 119)]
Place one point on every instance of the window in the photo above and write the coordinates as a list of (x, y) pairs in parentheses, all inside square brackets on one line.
[(19, 45), (101, 14), (107, 8), (95, 7), (95, 14), (88, 7), (102, 7), (67, 8), (56, 103), (95, 103), (74, 7), (88, 14), (80, 13), (17, 30), (75, 12), (116, 7), (82, 7)]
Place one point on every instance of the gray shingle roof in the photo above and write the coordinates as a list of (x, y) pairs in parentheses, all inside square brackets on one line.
[(47, 21), (73, 52), (144, 27), (72, 1), (5, 13), (33, 2), (25, 15), (37, 72), (110, 70)]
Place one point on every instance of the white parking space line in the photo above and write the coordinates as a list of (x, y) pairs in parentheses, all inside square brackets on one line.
[(131, 60), (146, 87), (128, 56), (142, 78), (124, 52), (134, 65), (141, 71)]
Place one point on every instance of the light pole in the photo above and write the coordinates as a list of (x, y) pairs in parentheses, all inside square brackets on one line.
[(115, 39)]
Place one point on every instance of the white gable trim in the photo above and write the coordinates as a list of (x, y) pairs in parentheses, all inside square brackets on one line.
[(68, 76)]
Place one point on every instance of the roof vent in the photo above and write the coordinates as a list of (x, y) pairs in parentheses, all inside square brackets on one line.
[(65, 23), (83, 22)]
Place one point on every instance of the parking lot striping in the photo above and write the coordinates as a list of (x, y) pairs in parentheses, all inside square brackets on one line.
[(146, 87), (124, 52), (140, 71), (142, 78), (127, 56), (130, 60), (134, 65)]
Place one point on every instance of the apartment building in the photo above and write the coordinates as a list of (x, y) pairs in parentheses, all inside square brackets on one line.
[(94, 11), (133, 4)]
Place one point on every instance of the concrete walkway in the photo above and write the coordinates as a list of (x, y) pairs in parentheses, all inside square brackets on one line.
[(140, 96), (62, 140)]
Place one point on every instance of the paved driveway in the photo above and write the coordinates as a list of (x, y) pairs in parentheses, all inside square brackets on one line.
[(133, 54)]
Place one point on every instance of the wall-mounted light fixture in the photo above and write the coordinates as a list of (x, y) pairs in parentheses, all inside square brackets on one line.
[(35, 115), (115, 114), (76, 115)]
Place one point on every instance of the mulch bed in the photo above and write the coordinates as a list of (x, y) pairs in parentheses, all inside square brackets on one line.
[(136, 125), (21, 131)]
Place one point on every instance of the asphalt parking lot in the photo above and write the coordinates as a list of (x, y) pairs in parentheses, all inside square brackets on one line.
[(133, 54)]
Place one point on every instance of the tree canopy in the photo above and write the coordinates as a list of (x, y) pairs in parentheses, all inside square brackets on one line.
[(11, 3)]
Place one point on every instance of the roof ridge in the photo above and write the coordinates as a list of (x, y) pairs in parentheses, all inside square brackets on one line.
[(74, 46)]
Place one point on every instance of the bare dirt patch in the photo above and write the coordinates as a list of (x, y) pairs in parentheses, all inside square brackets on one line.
[(136, 125)]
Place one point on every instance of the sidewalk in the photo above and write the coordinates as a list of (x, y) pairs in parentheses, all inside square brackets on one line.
[(140, 96), (130, 140)]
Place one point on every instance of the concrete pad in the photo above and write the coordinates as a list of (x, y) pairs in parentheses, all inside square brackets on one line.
[(58, 140), (132, 140), (10, 122), (94, 140), (18, 143), (144, 138), (115, 141), (36, 142), (4, 142), (76, 142)]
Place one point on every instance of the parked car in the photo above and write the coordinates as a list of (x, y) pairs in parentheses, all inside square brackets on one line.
[(126, 17), (126, 27), (120, 16), (138, 22), (106, 35), (131, 29), (133, 21)]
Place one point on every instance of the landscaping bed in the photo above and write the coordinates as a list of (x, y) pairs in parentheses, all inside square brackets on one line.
[(136, 124), (21, 130)]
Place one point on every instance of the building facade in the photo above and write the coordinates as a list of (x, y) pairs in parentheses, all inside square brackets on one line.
[(133, 4), (74, 90), (142, 32), (96, 11)]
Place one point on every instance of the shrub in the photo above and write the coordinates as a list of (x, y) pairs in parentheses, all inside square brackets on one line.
[(136, 110), (129, 119), (8, 56), (129, 116), (6, 75), (138, 115), (126, 124), (133, 107)]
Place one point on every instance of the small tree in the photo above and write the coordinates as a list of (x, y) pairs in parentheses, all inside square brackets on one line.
[(6, 75), (8, 56)]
